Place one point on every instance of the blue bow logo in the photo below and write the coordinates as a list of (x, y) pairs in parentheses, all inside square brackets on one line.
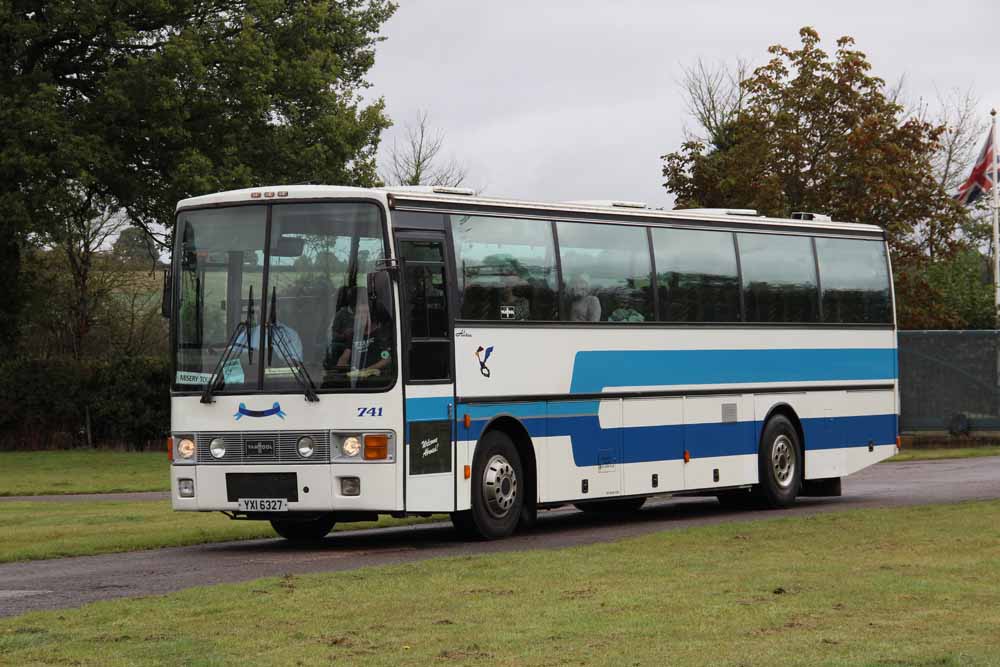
[(246, 412)]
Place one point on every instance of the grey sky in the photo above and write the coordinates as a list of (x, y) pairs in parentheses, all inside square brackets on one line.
[(577, 100)]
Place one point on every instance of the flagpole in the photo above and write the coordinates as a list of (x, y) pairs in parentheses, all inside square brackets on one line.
[(996, 215)]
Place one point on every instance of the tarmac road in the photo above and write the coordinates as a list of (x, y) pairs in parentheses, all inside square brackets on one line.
[(70, 582)]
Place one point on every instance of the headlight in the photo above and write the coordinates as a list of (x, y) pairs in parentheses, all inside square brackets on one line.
[(351, 446), (217, 447), (306, 446), (185, 448)]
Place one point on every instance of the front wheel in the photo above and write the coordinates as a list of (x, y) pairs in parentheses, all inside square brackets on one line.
[(309, 530), (779, 463), (498, 486)]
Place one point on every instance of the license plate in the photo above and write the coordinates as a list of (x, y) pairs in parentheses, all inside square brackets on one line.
[(263, 504), (259, 447)]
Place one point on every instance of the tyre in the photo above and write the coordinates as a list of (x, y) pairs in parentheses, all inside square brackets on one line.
[(308, 530), (616, 506), (498, 486), (779, 463)]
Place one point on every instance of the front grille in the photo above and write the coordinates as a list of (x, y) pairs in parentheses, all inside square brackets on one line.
[(286, 448)]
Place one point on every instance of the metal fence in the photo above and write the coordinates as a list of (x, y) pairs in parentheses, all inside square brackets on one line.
[(948, 381)]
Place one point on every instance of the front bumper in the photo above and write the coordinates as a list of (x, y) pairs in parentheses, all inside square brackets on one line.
[(318, 487)]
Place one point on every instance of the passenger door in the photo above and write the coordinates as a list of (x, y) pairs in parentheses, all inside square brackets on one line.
[(429, 386)]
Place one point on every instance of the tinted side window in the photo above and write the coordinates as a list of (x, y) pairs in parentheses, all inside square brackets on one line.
[(855, 279), (779, 278), (605, 272), (697, 280), (506, 268)]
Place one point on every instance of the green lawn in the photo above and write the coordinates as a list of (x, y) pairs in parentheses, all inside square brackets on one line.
[(82, 471), (35, 530), (917, 586), (935, 454)]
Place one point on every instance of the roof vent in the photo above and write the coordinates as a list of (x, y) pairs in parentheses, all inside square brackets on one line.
[(447, 190), (613, 203), (722, 211), (804, 215)]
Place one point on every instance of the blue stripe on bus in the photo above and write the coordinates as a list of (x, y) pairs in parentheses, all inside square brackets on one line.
[(427, 409), (593, 371), (640, 444)]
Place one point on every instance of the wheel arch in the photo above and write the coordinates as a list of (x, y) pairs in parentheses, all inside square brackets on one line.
[(514, 429)]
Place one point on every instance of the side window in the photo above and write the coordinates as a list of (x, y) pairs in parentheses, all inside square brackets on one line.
[(779, 278), (506, 268), (696, 274), (855, 280), (606, 273)]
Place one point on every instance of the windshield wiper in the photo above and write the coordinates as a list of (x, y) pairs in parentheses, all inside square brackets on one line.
[(276, 338), (245, 327)]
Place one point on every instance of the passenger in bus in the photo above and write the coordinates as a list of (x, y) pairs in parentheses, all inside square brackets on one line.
[(521, 306), (586, 307), (371, 349)]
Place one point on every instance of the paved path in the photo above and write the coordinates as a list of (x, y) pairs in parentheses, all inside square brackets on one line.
[(71, 582), (89, 497)]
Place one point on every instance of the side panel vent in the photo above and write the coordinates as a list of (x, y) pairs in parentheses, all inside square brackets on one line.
[(729, 413)]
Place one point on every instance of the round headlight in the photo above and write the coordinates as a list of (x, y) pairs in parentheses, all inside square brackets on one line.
[(306, 446), (185, 448), (351, 446), (217, 447)]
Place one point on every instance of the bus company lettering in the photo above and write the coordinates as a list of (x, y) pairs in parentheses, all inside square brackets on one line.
[(430, 446)]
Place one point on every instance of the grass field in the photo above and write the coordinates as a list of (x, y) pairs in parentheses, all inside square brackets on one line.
[(916, 586), (37, 530), (935, 454), (82, 471)]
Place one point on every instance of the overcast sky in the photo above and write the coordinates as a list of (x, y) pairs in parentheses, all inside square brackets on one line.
[(557, 100)]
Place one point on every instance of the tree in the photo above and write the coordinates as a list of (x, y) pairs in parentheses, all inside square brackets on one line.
[(714, 97), (417, 160), (816, 133), (134, 245), (143, 104)]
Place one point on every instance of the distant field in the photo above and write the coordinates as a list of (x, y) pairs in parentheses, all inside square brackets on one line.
[(916, 586), (38, 530), (956, 453), (82, 471)]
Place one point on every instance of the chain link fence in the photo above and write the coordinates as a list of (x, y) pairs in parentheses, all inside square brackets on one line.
[(948, 381)]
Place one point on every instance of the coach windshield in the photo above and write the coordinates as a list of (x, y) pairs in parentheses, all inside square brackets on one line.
[(293, 293)]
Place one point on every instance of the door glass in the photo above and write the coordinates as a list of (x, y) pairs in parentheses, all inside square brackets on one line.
[(426, 310)]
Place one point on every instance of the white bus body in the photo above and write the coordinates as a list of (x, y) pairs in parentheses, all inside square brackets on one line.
[(509, 325)]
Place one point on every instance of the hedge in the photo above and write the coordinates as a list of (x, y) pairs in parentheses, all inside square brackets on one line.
[(44, 403)]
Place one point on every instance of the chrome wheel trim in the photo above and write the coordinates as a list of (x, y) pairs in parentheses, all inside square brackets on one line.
[(499, 486), (783, 460)]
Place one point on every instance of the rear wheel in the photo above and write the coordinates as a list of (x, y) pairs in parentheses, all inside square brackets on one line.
[(779, 463), (498, 486), (616, 506), (308, 530)]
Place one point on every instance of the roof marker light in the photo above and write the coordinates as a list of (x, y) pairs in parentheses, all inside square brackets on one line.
[(282, 193), (268, 195), (254, 195)]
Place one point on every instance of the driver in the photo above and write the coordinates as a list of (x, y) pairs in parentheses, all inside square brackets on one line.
[(371, 349)]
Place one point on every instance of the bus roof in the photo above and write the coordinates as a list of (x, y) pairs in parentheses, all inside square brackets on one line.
[(430, 198)]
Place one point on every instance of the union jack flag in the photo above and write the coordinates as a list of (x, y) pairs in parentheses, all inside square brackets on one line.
[(980, 181)]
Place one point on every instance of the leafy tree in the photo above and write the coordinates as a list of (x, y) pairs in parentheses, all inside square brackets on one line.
[(140, 104), (815, 133), (135, 246)]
